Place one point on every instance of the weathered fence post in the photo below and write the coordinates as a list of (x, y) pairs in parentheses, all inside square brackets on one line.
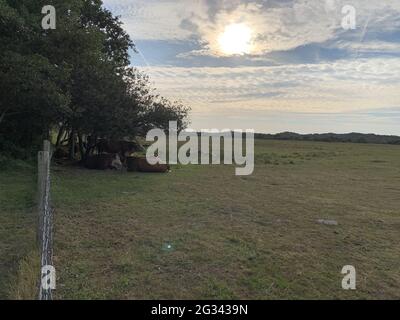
[(45, 223)]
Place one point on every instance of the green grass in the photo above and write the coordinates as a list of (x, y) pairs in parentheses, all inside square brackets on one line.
[(200, 232), (19, 270)]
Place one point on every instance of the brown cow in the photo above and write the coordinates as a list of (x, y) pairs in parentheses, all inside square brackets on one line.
[(104, 162), (140, 164)]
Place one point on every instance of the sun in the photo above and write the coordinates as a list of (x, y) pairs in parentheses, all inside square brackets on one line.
[(236, 39)]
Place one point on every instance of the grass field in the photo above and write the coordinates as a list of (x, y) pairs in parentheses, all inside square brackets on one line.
[(200, 232), (19, 257)]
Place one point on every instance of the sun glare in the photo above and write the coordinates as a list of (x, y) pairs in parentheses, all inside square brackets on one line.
[(236, 39)]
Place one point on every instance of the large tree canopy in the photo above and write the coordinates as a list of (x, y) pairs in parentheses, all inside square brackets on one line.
[(75, 81)]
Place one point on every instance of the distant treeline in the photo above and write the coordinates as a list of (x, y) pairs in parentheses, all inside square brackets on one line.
[(332, 137)]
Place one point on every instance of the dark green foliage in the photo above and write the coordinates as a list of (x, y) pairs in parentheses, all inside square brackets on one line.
[(72, 82)]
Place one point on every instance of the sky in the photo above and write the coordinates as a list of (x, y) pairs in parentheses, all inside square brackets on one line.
[(272, 65)]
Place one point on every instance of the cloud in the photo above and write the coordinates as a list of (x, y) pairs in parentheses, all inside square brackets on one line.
[(294, 23), (370, 47), (344, 85), (274, 29), (154, 20), (302, 62), (277, 25)]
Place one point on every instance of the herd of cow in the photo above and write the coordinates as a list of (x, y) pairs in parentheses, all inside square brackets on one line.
[(109, 154)]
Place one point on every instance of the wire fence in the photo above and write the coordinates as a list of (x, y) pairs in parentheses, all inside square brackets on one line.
[(45, 224)]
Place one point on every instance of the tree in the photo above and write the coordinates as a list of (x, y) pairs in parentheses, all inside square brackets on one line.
[(30, 96), (75, 81)]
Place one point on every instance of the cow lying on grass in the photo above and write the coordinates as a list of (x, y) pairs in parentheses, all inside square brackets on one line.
[(104, 162), (140, 164)]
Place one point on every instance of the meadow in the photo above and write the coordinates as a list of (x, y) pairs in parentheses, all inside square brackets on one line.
[(200, 232), (19, 263)]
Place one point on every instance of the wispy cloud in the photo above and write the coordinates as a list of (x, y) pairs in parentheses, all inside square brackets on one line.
[(277, 25), (330, 87), (302, 61)]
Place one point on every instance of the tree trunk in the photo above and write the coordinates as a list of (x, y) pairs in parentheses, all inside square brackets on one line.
[(72, 145), (81, 147), (59, 136), (90, 145)]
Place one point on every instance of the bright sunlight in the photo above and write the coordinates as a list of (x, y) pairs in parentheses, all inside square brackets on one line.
[(236, 39)]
